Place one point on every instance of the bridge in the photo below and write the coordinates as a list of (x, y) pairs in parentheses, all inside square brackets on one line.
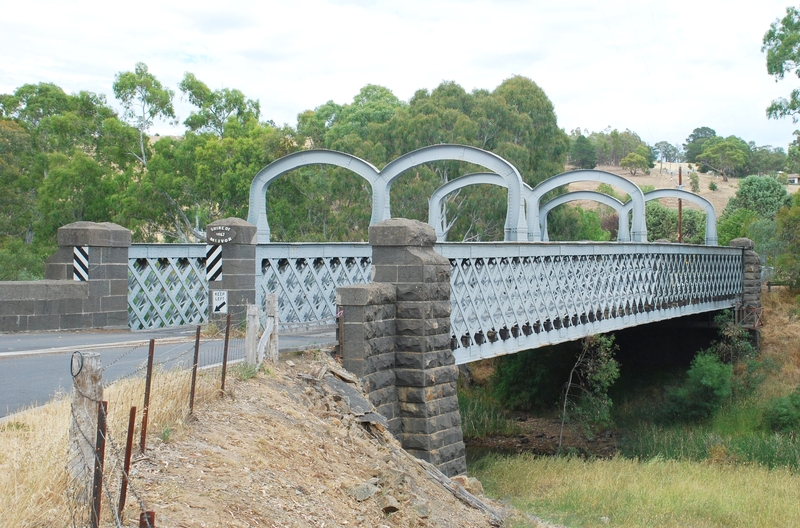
[(411, 306), (507, 296)]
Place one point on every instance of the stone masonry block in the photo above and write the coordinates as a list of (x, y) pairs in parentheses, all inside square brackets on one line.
[(381, 345), (240, 231), (424, 273), (425, 378), (381, 362), (407, 256), (415, 291), (379, 379), (422, 343), (742, 242), (401, 232), (454, 467), (105, 234), (429, 395), (365, 294), (432, 424), (430, 408), (384, 273), (424, 360)]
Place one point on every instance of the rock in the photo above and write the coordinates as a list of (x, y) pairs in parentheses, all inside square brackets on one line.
[(475, 486), (388, 504), (364, 491), (422, 510), (290, 363), (470, 484)]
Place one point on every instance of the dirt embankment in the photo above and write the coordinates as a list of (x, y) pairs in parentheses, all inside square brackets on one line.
[(283, 449)]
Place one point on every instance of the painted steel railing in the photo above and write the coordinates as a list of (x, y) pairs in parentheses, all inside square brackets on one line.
[(166, 285), (511, 297), (305, 278), (505, 297)]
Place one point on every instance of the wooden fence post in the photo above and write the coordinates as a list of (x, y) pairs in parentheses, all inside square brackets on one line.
[(87, 393)]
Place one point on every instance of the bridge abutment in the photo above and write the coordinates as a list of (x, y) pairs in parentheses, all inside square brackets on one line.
[(396, 336)]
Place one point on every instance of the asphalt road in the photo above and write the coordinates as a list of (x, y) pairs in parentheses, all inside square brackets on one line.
[(34, 367)]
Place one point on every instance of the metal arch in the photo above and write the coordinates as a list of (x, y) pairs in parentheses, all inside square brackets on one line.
[(639, 231), (515, 228), (622, 231), (435, 201), (711, 213), (257, 213)]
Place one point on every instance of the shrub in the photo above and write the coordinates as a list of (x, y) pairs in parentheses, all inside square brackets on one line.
[(712, 186), (783, 414), (705, 389), (532, 378), (694, 182)]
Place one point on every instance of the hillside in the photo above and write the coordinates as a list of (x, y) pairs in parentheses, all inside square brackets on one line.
[(283, 449), (666, 178)]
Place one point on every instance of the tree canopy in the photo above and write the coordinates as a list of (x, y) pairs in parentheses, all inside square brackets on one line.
[(782, 45)]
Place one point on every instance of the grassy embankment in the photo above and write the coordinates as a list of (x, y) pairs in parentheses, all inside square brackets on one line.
[(728, 471), (34, 482)]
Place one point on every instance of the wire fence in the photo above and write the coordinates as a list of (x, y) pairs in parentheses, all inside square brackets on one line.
[(111, 422)]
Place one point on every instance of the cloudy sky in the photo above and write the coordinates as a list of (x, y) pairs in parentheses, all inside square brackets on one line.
[(659, 68)]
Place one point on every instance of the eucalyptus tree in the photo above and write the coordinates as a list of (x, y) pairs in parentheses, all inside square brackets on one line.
[(144, 99), (216, 107)]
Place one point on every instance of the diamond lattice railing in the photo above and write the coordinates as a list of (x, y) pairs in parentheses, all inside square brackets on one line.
[(505, 297), (166, 285), (510, 297), (305, 278)]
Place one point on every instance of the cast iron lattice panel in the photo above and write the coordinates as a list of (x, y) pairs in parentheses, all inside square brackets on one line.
[(512, 297), (166, 285), (305, 277)]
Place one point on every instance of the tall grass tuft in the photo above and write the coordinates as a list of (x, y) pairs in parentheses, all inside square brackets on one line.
[(633, 493), (482, 416)]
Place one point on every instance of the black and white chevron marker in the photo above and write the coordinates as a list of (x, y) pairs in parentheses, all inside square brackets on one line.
[(213, 262), (80, 263)]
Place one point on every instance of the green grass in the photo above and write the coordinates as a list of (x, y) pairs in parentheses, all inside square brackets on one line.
[(482, 416), (631, 493)]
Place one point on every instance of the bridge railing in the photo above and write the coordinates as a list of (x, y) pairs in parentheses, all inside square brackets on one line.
[(305, 278), (505, 297), (511, 297), (166, 285)]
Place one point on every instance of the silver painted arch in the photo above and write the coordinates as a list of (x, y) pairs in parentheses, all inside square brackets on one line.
[(435, 201), (257, 213), (711, 213), (622, 232), (381, 181), (639, 228)]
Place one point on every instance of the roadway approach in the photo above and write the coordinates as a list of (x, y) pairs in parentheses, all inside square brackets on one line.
[(35, 367)]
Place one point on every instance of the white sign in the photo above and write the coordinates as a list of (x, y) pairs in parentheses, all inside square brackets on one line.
[(219, 301)]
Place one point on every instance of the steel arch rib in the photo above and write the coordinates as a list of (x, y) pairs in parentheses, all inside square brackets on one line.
[(435, 201), (639, 231), (711, 213), (257, 213), (622, 232), (515, 228)]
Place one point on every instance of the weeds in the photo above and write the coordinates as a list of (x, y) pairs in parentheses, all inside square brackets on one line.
[(482, 416)]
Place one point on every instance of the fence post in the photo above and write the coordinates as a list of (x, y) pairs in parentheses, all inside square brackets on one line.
[(251, 336), (87, 392), (194, 369), (271, 311), (148, 381), (225, 352), (99, 458), (123, 490)]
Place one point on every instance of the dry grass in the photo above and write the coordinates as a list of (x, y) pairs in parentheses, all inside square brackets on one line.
[(623, 492), (780, 339), (34, 481)]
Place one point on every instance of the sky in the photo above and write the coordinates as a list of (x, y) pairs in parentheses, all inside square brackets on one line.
[(659, 68)]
